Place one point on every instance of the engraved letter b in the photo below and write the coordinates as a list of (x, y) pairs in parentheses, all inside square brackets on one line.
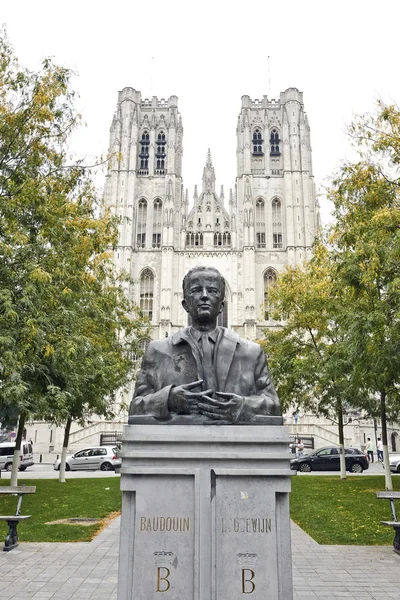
[(165, 578), (250, 589)]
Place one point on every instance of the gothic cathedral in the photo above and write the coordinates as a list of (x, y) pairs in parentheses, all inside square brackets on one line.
[(268, 221)]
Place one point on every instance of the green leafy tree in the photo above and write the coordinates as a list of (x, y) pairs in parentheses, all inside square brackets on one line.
[(366, 239), (308, 354), (95, 329), (67, 329)]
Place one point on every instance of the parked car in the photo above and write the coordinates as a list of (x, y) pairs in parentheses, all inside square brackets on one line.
[(90, 459), (394, 462), (7, 455), (328, 459)]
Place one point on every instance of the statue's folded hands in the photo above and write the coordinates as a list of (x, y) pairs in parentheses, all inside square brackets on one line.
[(228, 408), (182, 401)]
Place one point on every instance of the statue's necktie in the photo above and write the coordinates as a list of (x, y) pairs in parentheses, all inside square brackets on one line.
[(208, 370)]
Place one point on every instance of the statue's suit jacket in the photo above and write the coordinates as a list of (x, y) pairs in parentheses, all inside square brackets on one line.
[(240, 367)]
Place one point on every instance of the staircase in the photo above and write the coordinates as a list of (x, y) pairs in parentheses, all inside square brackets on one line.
[(323, 435), (90, 435)]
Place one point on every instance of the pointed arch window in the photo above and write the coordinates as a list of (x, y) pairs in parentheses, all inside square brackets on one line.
[(141, 223), (257, 142), (222, 240), (140, 349), (144, 153), (269, 281), (274, 142), (157, 218), (147, 292), (160, 153), (260, 223), (194, 240), (277, 238)]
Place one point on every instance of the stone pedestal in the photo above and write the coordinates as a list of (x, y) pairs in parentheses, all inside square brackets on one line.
[(205, 513)]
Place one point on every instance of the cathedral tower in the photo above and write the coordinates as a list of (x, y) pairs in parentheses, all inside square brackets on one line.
[(275, 195), (144, 189)]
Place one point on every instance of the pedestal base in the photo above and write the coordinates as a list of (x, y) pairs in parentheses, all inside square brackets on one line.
[(205, 513)]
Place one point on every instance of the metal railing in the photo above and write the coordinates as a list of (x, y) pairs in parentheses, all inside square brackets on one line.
[(110, 439)]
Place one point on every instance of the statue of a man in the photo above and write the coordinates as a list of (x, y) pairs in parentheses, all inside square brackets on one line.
[(204, 373)]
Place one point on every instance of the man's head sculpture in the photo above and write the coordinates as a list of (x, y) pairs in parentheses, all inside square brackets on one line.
[(204, 293), (200, 269)]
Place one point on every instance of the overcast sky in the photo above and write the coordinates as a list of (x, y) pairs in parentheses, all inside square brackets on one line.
[(342, 55)]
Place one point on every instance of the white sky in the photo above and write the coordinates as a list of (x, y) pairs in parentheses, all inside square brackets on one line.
[(343, 55)]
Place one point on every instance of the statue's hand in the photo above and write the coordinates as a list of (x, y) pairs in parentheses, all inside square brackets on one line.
[(226, 409), (182, 401)]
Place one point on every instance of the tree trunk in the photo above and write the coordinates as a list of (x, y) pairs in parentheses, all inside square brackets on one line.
[(376, 435), (341, 441), (388, 475), (61, 477), (17, 449)]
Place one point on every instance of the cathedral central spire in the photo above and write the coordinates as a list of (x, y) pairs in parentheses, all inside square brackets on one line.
[(209, 160), (208, 175)]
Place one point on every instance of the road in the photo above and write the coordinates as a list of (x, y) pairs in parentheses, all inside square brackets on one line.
[(46, 471), (375, 468)]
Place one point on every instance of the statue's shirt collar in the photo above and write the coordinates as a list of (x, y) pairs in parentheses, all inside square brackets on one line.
[(196, 334)]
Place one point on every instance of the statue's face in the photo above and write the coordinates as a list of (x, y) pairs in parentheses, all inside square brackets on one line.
[(203, 296)]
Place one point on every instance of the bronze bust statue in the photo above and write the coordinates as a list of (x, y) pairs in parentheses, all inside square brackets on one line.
[(204, 374)]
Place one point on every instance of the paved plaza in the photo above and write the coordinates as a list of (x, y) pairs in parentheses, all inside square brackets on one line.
[(83, 571)]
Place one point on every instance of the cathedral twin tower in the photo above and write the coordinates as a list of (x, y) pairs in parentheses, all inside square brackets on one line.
[(270, 219)]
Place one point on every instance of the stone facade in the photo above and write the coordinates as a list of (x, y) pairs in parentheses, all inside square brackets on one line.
[(268, 221)]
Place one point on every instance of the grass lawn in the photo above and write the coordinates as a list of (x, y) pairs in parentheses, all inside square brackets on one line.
[(53, 501), (330, 510), (335, 511)]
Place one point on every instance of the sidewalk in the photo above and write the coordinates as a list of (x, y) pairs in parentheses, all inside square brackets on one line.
[(84, 571), (351, 572)]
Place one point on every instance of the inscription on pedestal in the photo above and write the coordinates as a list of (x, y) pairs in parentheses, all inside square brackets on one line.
[(245, 552), (247, 580), (164, 539), (164, 523), (248, 574), (246, 525), (163, 573), (162, 579)]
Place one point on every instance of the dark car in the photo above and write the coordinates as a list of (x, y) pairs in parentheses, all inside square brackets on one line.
[(328, 459)]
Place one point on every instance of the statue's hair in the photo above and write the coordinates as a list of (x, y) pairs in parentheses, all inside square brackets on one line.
[(196, 270)]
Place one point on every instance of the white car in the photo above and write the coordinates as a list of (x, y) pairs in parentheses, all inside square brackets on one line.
[(394, 462), (90, 459), (7, 455)]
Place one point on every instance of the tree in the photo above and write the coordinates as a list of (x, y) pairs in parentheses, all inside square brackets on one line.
[(95, 331), (352, 308), (308, 354), (366, 238), (66, 326), (102, 330)]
